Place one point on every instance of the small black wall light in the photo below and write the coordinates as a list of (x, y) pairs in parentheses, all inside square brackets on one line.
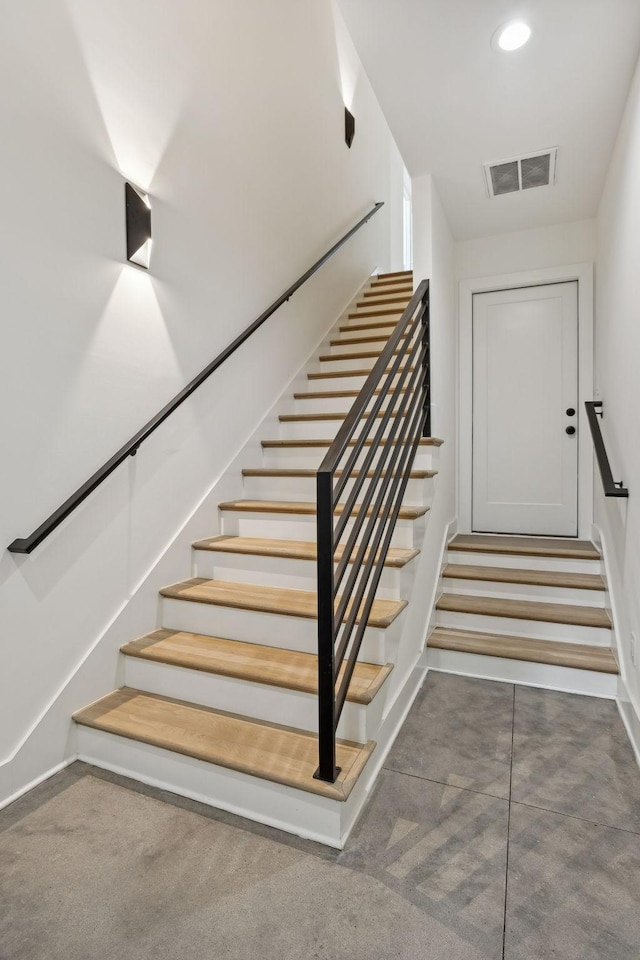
[(349, 127), (138, 218)]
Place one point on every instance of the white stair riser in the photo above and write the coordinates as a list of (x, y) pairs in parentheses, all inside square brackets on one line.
[(397, 288), (407, 533), (282, 572), (311, 457), (256, 700), (523, 591), (418, 492), (534, 629), (364, 344), (549, 677), (347, 382), (375, 303), (365, 337), (380, 310), (319, 429), (549, 564), (349, 363), (252, 626), (296, 811), (323, 405)]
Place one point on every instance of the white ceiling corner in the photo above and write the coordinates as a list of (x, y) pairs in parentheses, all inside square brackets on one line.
[(454, 103)]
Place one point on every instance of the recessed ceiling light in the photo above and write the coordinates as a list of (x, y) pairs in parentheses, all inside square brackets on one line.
[(511, 36)]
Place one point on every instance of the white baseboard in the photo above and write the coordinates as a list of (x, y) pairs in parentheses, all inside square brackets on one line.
[(6, 801), (630, 718)]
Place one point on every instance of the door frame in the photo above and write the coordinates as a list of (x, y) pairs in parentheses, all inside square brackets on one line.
[(583, 274)]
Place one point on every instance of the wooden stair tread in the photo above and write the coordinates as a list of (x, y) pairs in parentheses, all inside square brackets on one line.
[(383, 301), (526, 546), (308, 473), (386, 290), (337, 374), (391, 282), (395, 273), (360, 355), (306, 508), (352, 341), (265, 750), (328, 394), (374, 325), (387, 311), (574, 614), (578, 655), (538, 578), (303, 417), (291, 549), (277, 600), (252, 662), (424, 442)]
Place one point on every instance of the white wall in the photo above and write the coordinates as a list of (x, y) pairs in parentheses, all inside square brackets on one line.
[(618, 383), (232, 115), (433, 257), (556, 246)]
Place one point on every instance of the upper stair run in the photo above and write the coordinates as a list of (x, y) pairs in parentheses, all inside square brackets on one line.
[(219, 701), (525, 609)]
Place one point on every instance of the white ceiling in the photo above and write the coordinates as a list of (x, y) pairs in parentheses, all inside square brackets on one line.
[(453, 103)]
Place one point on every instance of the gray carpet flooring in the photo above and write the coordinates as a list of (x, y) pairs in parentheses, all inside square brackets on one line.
[(506, 824)]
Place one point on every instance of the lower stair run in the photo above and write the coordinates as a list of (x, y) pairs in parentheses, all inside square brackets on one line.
[(220, 703), (525, 609), (259, 749)]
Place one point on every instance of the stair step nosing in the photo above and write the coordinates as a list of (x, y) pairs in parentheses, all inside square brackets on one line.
[(530, 650), (309, 508), (284, 606), (521, 577), (312, 474), (568, 552), (251, 673), (322, 442), (224, 544), (572, 615), (336, 791)]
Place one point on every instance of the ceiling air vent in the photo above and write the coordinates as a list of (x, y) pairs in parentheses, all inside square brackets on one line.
[(521, 173)]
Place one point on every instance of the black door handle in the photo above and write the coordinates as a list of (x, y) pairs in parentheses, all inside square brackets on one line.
[(571, 412), (571, 431)]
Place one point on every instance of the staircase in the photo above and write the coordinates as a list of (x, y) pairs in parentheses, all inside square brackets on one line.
[(525, 609), (220, 703)]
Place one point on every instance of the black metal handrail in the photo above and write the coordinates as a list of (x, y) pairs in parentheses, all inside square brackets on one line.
[(361, 537), (612, 488), (130, 449)]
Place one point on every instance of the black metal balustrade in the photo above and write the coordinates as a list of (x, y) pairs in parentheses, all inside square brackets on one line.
[(376, 454), (130, 449), (612, 488)]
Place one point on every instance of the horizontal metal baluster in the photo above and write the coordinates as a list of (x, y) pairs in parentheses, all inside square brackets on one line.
[(382, 471), (382, 463), (399, 450), (327, 496), (344, 435), (399, 390), (364, 616), (384, 389)]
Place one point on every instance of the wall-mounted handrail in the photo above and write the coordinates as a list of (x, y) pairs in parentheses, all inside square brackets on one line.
[(27, 544), (374, 450), (612, 488)]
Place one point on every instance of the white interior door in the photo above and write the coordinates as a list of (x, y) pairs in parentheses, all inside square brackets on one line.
[(525, 405)]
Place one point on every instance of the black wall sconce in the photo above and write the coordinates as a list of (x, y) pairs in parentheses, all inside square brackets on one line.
[(349, 127), (138, 218)]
